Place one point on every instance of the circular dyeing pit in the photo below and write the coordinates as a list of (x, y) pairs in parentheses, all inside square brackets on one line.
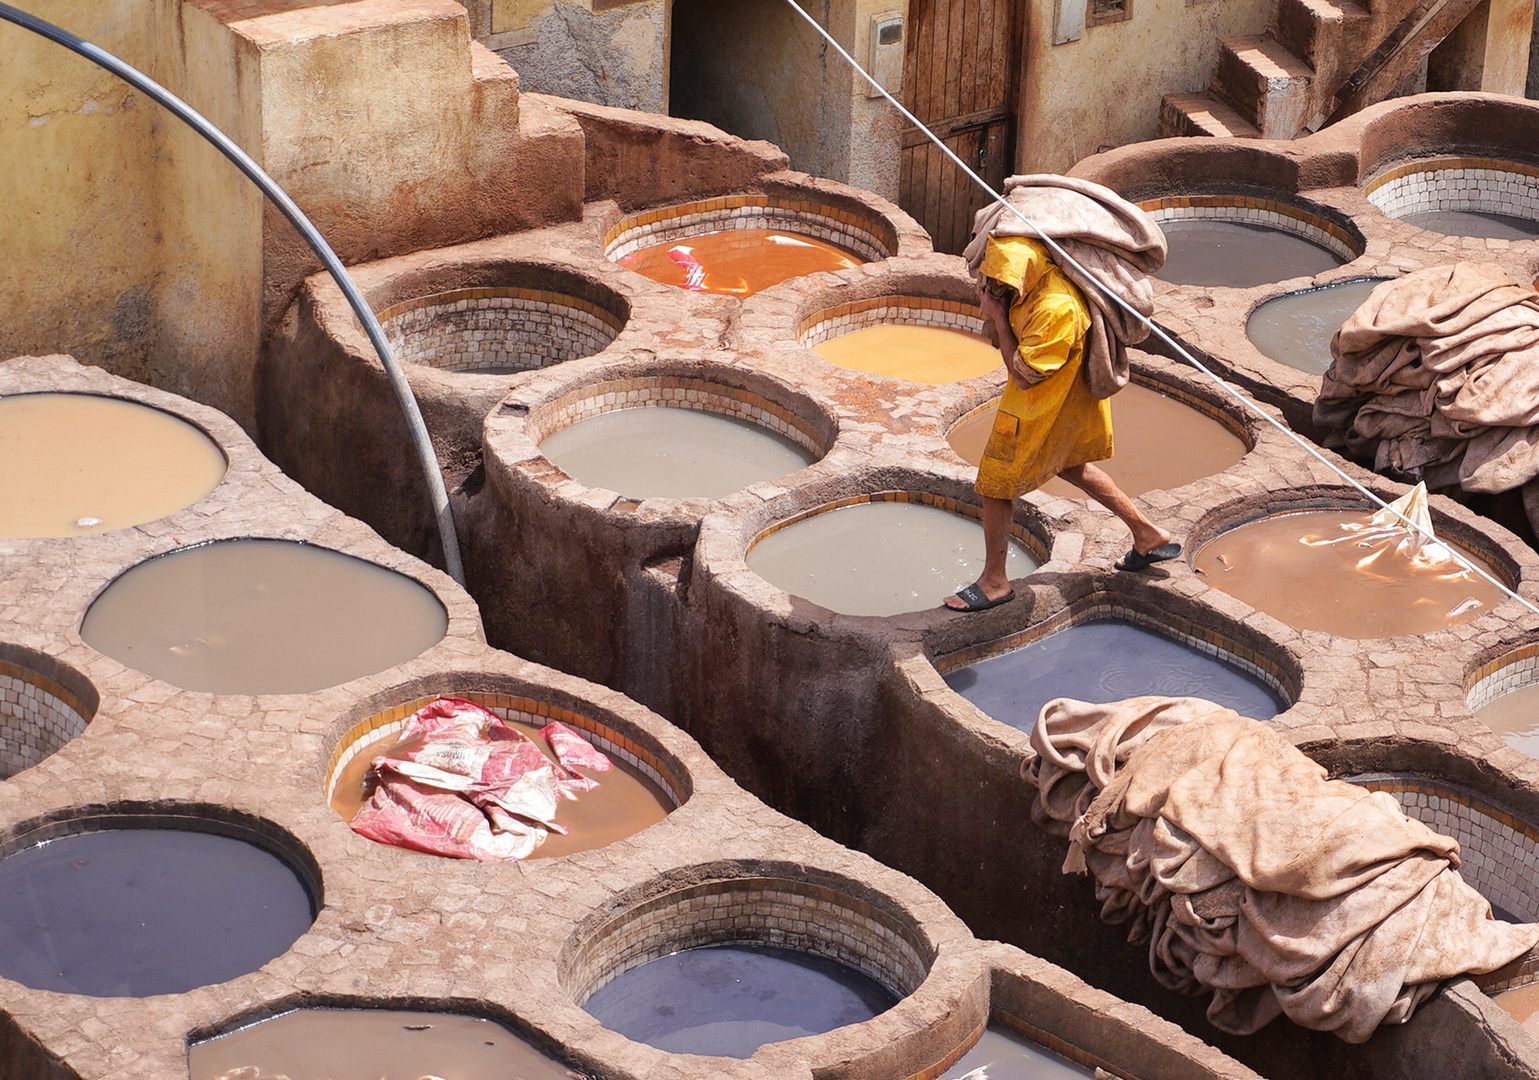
[(262, 617), (882, 554), (1478, 197), (128, 907), (641, 788), (723, 967), (43, 705), (903, 337), (1296, 328), (377, 1044), (72, 464), (1146, 457), (505, 329), (1001, 1054), (674, 437), (1504, 695), (1101, 660), (740, 244), (1243, 241), (1332, 570)]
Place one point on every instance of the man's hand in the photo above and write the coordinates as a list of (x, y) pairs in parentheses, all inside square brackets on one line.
[(994, 311)]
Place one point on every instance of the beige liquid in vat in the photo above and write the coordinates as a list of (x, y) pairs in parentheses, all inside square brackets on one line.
[(262, 617), (72, 464), (1160, 443), (625, 802), (1515, 717), (924, 354)]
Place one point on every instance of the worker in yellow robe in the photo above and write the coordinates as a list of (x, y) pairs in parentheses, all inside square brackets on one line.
[(1049, 423)]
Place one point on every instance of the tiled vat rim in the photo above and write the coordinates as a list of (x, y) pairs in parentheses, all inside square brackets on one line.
[(1194, 635), (779, 911), (1254, 210), (927, 498), (878, 310), (1457, 183), (678, 392), (803, 216), (37, 717), (1502, 675), (515, 710), (501, 327), (1499, 852)]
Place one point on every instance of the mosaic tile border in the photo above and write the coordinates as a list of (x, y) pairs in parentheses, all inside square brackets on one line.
[(681, 392), (1254, 210), (1512, 670), (512, 708), (854, 232), (1037, 547), (1499, 851), (761, 910), (1168, 624), (467, 329), (881, 310), (1457, 183)]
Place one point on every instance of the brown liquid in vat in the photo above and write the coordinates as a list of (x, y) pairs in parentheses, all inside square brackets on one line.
[(1522, 1005), (1160, 443), (370, 1044), (739, 262), (1308, 571), (625, 802), (1515, 717), (72, 464)]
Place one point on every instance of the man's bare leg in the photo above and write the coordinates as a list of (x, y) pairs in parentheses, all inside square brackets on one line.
[(1094, 481), (994, 582)]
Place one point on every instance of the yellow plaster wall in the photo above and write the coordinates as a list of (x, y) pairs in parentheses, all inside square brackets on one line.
[(1105, 89)]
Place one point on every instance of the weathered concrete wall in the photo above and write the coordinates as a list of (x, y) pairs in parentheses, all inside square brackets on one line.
[(1104, 89), (608, 52), (757, 70)]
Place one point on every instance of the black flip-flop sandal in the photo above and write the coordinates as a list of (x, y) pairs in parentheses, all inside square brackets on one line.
[(978, 600), (1137, 560)]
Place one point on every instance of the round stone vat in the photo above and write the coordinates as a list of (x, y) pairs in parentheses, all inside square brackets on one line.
[(722, 967), (525, 317), (679, 436), (1296, 328), (917, 338), (1461, 196), (1109, 647), (883, 554), (258, 616), (72, 464), (43, 705), (1244, 240), (1498, 851), (1147, 458), (378, 1043), (643, 786), (740, 244), (1503, 692), (1317, 566), (146, 902)]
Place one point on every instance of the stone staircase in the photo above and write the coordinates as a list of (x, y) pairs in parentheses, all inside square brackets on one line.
[(1318, 61)]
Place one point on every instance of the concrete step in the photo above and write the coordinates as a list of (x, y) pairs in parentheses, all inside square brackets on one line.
[(1201, 113), (1265, 83), (1318, 31)]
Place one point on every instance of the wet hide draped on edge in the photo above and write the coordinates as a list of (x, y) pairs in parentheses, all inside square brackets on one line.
[(1253, 876), (464, 783)]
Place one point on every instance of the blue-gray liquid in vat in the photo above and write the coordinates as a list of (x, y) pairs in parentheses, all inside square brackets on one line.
[(1238, 255), (1004, 1055), (1101, 661)]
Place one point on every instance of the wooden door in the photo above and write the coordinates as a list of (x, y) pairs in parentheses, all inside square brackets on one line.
[(959, 78)]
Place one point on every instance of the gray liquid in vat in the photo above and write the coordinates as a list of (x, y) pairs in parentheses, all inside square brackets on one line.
[(136, 912), (370, 1044), (262, 617), (1515, 717), (879, 558), (1296, 329), (1481, 224), (1004, 1055), (672, 453), (1101, 661), (729, 1000), (1238, 255)]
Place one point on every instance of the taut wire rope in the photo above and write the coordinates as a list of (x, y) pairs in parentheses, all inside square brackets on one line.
[(1154, 328)]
